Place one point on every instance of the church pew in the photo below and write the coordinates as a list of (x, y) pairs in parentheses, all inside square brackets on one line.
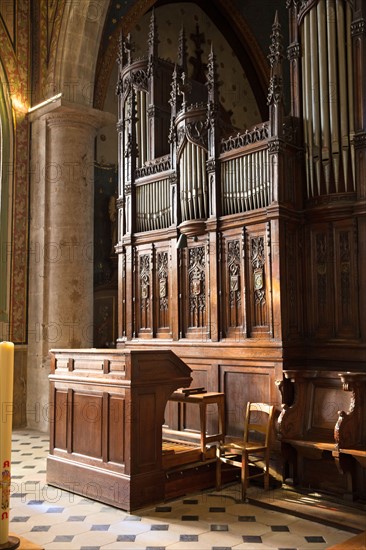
[(321, 443)]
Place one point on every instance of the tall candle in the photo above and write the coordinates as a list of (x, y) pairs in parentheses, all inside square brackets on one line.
[(6, 417)]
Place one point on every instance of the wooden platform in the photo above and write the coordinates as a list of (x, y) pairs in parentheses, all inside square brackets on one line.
[(355, 543)]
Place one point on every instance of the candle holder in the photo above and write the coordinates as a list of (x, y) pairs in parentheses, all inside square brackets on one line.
[(13, 542)]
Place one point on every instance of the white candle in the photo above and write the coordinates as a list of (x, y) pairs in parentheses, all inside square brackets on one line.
[(6, 417)]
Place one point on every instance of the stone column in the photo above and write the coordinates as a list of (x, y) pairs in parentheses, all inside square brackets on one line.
[(61, 241)]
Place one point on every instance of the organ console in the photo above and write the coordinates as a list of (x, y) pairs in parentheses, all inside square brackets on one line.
[(106, 415)]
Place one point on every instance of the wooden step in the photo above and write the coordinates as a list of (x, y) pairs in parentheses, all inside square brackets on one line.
[(357, 542)]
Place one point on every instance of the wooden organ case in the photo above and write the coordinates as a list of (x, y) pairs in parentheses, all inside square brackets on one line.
[(238, 250)]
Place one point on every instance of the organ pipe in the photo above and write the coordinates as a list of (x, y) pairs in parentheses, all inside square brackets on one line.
[(307, 98), (193, 182), (328, 107), (245, 182), (324, 94), (315, 94), (333, 91), (350, 90)]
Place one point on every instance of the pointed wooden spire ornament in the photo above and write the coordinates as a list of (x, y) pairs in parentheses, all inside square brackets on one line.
[(182, 51), (153, 44), (120, 59), (275, 90)]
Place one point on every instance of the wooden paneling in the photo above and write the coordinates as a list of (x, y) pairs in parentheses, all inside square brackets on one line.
[(146, 422), (107, 432), (59, 420), (116, 434), (332, 280), (87, 424), (241, 385)]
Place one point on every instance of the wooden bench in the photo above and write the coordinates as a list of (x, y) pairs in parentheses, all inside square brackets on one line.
[(350, 431), (322, 446)]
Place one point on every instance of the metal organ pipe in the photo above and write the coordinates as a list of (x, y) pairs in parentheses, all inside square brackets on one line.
[(328, 96), (307, 100), (204, 184), (193, 182), (344, 131), (315, 96), (333, 91), (350, 90), (324, 93)]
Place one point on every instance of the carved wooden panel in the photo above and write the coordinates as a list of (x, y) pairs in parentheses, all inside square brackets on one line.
[(87, 424), (333, 280), (258, 290), (144, 290), (233, 288), (116, 431), (319, 277), (346, 281), (195, 307), (327, 402), (60, 419), (145, 421), (241, 385), (162, 291)]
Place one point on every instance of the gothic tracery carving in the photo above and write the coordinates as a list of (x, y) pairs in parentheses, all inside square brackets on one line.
[(234, 272), (197, 286), (163, 270), (144, 274), (258, 261)]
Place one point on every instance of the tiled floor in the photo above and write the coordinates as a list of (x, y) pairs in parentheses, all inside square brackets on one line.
[(209, 520)]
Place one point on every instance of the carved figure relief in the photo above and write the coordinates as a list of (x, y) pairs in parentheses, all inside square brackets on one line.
[(163, 270), (258, 261), (233, 264), (144, 273), (197, 287)]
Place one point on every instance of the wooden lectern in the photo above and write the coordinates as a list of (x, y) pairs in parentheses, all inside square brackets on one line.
[(107, 411)]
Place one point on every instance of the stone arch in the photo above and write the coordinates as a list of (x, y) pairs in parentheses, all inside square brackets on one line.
[(75, 54)]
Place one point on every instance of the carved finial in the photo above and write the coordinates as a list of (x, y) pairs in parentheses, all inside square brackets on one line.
[(153, 38), (276, 47), (182, 50), (128, 48), (275, 58), (184, 88), (174, 89), (120, 50), (212, 76)]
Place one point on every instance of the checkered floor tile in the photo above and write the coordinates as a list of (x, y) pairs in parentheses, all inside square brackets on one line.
[(210, 520)]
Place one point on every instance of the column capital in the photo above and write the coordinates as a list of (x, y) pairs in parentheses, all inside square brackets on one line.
[(62, 111)]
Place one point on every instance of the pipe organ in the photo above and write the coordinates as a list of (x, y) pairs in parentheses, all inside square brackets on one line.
[(238, 248)]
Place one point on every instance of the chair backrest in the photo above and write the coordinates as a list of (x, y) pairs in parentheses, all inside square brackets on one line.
[(258, 422)]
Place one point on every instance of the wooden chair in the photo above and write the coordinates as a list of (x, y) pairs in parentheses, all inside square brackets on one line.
[(252, 450)]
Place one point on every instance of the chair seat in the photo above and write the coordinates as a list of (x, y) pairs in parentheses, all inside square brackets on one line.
[(242, 446), (239, 453)]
